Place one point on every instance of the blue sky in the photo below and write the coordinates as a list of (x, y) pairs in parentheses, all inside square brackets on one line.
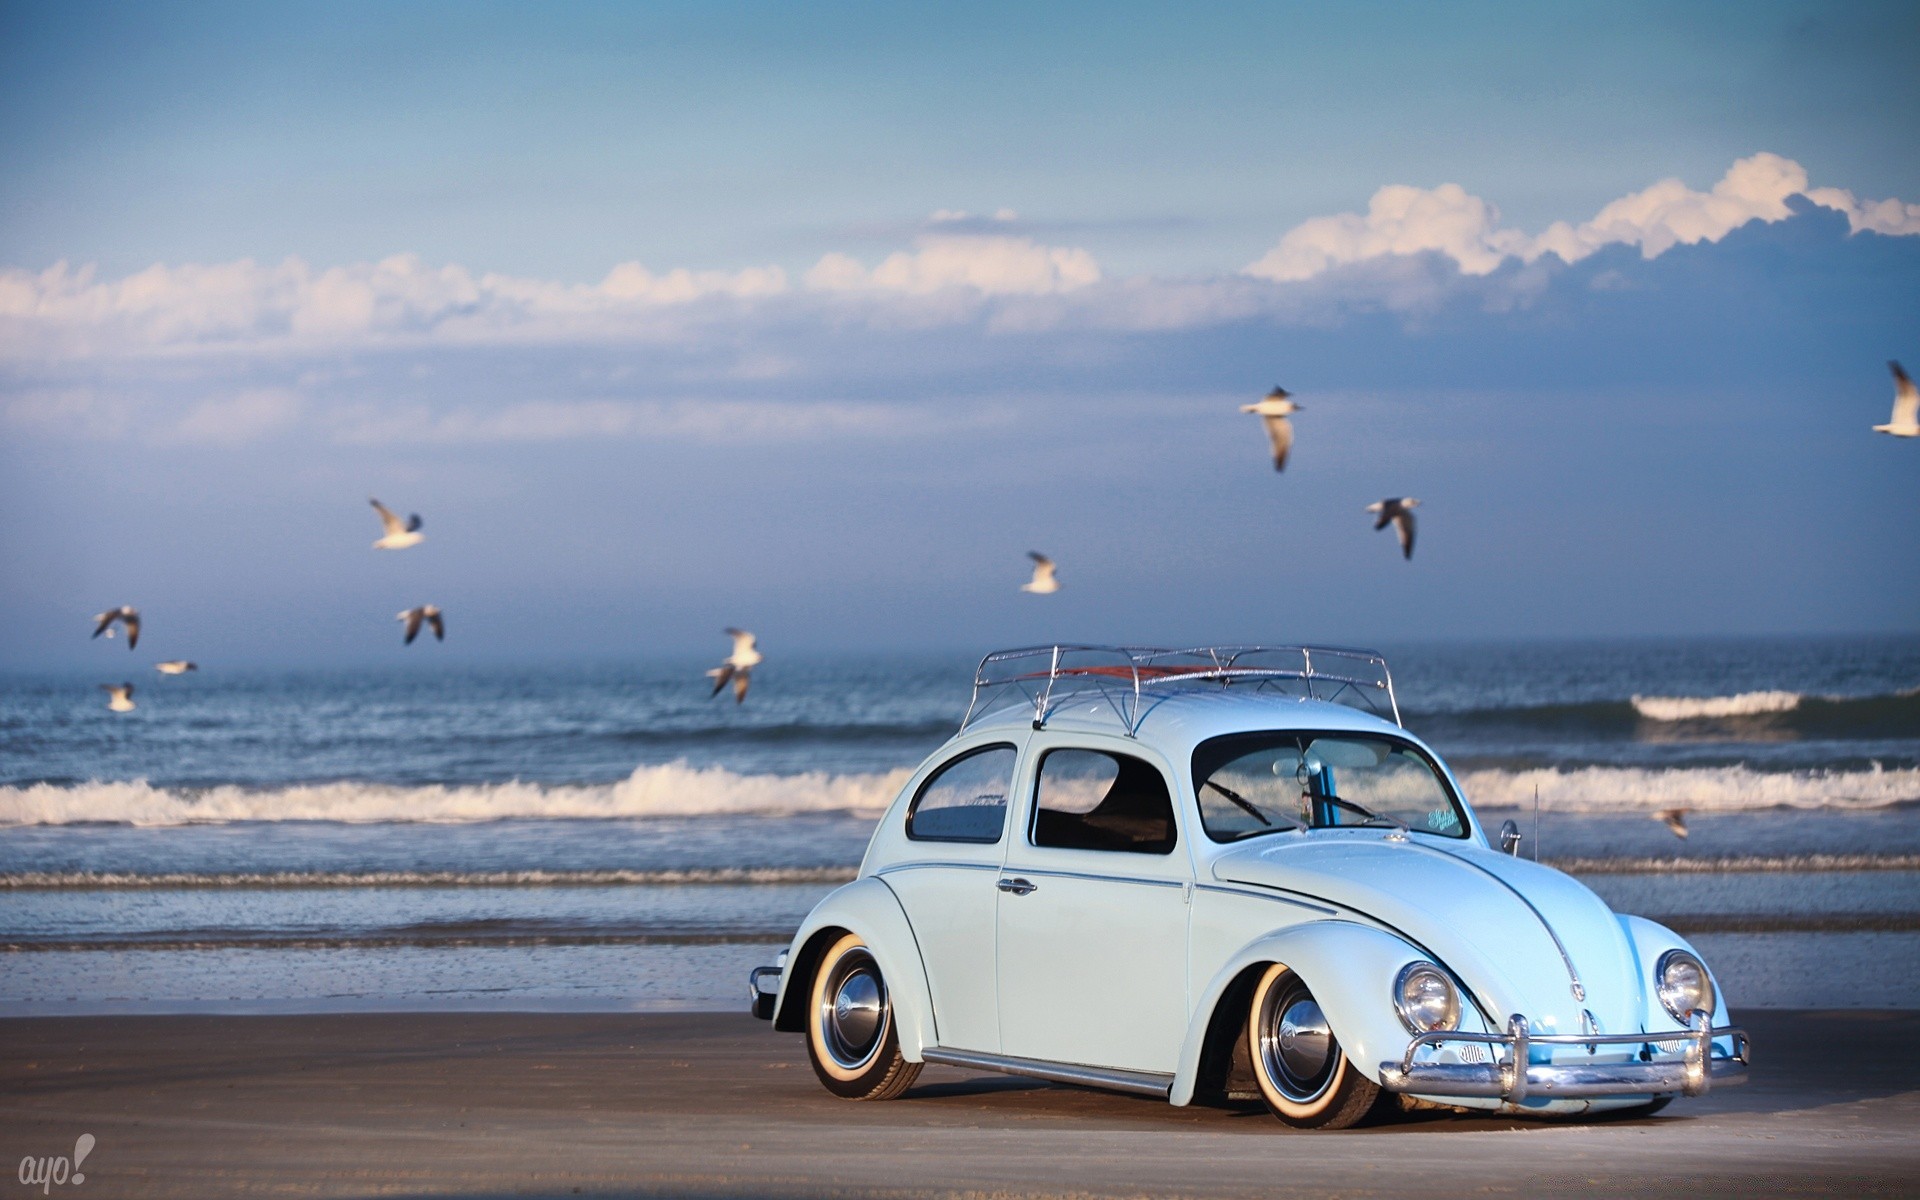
[(816, 318)]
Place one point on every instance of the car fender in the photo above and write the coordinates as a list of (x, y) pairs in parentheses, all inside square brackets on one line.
[(1349, 967), (1650, 940), (869, 908)]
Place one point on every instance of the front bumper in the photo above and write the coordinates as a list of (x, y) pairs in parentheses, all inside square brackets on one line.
[(1516, 1078), (763, 988)]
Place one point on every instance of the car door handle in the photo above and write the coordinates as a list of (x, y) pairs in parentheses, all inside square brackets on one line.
[(1018, 887)]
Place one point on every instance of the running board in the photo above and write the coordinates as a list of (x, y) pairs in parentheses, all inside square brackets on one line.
[(1140, 1083)]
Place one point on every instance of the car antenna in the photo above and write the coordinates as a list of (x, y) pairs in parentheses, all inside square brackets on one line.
[(1536, 821)]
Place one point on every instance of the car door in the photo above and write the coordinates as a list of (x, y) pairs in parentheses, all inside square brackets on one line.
[(1093, 910), (956, 828)]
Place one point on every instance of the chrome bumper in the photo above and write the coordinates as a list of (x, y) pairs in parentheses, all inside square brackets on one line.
[(761, 996), (1516, 1079)]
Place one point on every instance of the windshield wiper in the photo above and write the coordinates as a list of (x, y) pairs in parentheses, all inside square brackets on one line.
[(1250, 807), (1366, 812)]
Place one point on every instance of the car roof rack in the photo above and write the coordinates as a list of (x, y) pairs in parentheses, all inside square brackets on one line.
[(1132, 678)]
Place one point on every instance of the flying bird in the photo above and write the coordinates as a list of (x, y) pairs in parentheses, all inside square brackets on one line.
[(1399, 510), (1675, 819), (399, 534), (1275, 410), (428, 613), (738, 666), (1905, 421), (178, 666), (127, 615), (1043, 582), (120, 696)]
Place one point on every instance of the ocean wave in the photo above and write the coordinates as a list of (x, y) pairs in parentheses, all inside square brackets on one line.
[(670, 790), (1700, 789), (1743, 716), (678, 790), (504, 935), (1736, 864), (1688, 708), (28, 881)]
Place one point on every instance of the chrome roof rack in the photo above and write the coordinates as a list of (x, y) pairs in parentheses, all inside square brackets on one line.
[(1129, 678)]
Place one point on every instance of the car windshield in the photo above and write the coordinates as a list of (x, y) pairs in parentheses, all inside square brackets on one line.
[(1254, 783)]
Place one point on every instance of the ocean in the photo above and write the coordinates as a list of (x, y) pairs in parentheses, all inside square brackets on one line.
[(610, 837)]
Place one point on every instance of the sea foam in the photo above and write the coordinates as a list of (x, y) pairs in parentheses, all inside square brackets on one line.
[(679, 790), (1695, 708), (670, 790), (1703, 789)]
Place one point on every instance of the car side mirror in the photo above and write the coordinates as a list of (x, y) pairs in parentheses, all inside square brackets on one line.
[(1509, 838)]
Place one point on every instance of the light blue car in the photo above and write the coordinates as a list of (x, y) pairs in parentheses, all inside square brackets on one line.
[(1207, 874)]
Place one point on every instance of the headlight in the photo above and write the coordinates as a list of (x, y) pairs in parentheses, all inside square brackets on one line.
[(1426, 998), (1681, 979)]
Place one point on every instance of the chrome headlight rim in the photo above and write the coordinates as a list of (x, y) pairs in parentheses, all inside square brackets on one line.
[(1708, 1001), (1423, 969)]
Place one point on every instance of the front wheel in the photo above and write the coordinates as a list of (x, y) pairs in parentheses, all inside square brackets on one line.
[(1305, 1077), (851, 1038)]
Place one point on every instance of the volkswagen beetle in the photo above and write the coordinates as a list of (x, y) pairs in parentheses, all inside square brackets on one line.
[(1214, 874)]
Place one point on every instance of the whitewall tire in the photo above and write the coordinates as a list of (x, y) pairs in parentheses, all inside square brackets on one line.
[(851, 1037), (1303, 1073)]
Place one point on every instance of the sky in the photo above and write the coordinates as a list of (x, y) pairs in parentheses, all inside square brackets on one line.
[(815, 319)]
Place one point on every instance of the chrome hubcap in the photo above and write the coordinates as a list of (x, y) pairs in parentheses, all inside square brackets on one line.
[(1297, 1048), (853, 1010)]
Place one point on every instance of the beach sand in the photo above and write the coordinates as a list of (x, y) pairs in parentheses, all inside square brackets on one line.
[(706, 1104)]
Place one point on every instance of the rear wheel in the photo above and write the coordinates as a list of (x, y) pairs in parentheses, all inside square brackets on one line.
[(851, 1038), (1303, 1074)]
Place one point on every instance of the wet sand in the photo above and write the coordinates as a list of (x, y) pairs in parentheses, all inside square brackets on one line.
[(702, 1104)]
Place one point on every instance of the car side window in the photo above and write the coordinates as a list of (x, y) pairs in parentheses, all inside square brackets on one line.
[(1093, 800), (965, 800)]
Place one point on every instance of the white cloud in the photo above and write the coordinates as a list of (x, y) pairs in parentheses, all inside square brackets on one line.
[(1448, 220), (1400, 220), (994, 265), (233, 420), (1417, 244), (707, 421), (68, 412), (62, 311)]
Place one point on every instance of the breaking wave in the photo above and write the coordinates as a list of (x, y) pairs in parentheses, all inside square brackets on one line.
[(678, 790), (1688, 708), (1759, 716), (1702, 789), (35, 881), (670, 790)]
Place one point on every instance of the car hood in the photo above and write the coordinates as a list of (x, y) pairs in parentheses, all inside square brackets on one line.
[(1499, 923)]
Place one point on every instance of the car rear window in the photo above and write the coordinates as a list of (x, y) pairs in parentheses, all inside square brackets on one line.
[(965, 800)]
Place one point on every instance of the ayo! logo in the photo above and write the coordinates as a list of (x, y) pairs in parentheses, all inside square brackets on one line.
[(49, 1172)]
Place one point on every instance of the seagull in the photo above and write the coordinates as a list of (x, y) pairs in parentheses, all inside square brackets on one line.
[(122, 696), (1399, 510), (414, 616), (127, 615), (1675, 819), (1275, 409), (1905, 421), (1043, 583), (398, 536), (178, 666), (738, 666)]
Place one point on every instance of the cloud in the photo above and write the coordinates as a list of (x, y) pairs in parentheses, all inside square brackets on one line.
[(68, 312), (993, 265), (68, 412), (233, 420), (1448, 220), (1413, 252), (1400, 220), (703, 421)]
